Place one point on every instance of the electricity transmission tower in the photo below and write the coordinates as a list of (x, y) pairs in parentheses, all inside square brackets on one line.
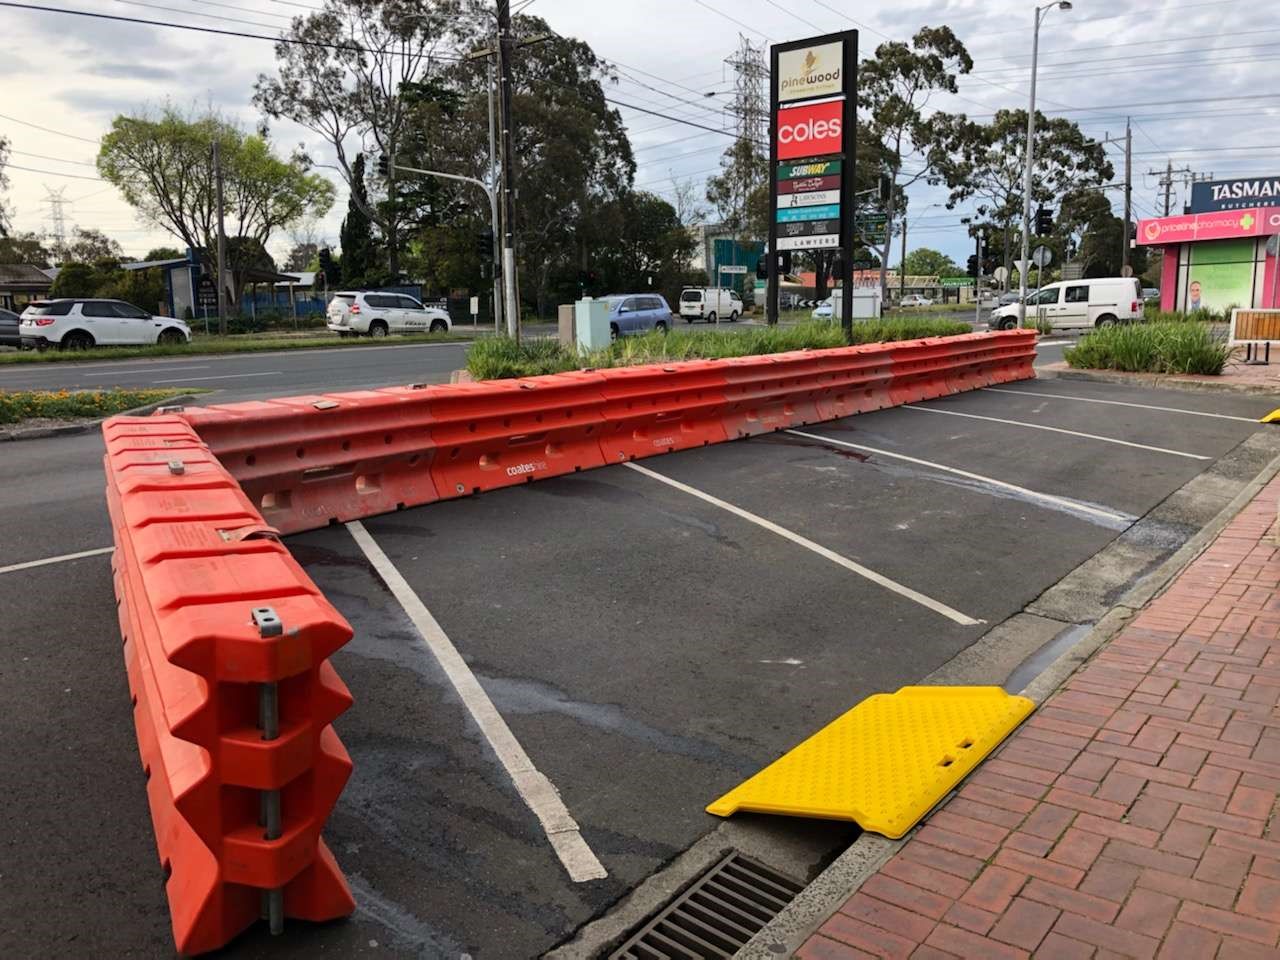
[(57, 201), (750, 108)]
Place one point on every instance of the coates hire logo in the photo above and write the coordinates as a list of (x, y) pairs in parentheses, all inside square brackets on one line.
[(811, 130), (811, 72)]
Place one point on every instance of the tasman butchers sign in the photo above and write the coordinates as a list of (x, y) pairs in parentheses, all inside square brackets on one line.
[(1214, 196)]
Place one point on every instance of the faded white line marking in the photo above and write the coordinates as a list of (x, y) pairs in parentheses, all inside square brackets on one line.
[(537, 791), (28, 565), (1120, 403), (1053, 343), (893, 586), (225, 376), (1075, 506), (113, 373), (1070, 433)]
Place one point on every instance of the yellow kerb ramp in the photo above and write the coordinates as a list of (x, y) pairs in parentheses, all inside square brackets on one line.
[(886, 762)]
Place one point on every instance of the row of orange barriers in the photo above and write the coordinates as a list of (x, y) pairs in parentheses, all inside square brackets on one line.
[(226, 644), (309, 461)]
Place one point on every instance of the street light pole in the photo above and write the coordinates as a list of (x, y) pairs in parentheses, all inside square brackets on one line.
[(505, 134), (1031, 138)]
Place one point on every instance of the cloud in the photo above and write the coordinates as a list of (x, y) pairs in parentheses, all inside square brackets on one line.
[(133, 71)]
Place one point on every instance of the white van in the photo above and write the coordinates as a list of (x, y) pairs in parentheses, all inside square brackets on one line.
[(1078, 304), (710, 304)]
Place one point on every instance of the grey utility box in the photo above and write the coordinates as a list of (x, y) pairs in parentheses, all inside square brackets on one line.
[(564, 325), (591, 323)]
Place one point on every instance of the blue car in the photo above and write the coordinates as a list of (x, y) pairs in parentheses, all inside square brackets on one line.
[(638, 313)]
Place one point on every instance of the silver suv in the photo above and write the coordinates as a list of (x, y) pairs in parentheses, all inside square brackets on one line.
[(355, 312)]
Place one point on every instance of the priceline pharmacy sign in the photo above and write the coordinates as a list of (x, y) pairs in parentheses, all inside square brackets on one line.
[(1213, 196)]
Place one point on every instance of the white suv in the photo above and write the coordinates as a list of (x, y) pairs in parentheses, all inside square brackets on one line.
[(74, 324), (353, 312)]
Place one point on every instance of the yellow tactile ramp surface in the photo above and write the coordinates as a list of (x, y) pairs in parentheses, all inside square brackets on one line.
[(884, 763)]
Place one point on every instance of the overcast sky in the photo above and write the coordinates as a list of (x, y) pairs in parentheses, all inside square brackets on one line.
[(1155, 61)]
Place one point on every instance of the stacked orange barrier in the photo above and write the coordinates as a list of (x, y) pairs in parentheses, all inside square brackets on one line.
[(309, 461), (226, 644)]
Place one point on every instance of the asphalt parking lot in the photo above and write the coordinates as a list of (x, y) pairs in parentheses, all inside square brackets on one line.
[(649, 635)]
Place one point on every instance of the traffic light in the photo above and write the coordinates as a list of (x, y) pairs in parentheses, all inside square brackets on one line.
[(484, 245), (762, 268), (386, 164), (972, 269), (1044, 222), (885, 188)]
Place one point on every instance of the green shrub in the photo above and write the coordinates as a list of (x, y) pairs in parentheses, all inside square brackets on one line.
[(500, 358), (19, 405), (1177, 346)]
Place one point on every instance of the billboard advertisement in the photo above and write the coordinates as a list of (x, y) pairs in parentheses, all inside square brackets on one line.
[(1240, 193), (807, 72), (1221, 275), (810, 130)]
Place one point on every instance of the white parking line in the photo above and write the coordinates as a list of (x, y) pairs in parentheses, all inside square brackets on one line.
[(114, 373), (1119, 403), (893, 586), (14, 567), (1072, 433), (225, 376), (1074, 506), (538, 792), (1053, 343)]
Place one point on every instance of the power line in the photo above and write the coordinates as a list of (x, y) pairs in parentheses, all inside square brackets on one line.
[(1129, 58), (41, 156), (197, 13), (232, 6), (1156, 103), (1135, 43), (792, 15), (214, 30), (744, 26), (1145, 11), (36, 126), (52, 173)]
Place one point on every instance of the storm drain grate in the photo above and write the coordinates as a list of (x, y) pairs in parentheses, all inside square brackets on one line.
[(715, 916)]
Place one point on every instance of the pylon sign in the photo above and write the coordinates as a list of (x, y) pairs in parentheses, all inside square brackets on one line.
[(812, 103)]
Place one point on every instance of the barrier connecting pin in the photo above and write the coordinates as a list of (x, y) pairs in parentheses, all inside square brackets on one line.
[(270, 625)]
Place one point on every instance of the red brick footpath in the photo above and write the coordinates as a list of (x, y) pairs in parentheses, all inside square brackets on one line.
[(1133, 814)]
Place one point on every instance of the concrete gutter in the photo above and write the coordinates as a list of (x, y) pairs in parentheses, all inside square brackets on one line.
[(88, 426), (821, 898)]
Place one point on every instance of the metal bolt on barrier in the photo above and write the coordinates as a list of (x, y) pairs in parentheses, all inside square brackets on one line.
[(177, 468), (269, 625)]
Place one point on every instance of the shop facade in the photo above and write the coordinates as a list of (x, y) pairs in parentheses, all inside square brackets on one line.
[(1221, 252)]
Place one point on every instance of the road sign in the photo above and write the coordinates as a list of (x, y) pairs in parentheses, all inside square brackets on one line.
[(207, 292), (1072, 271), (734, 268), (1024, 266), (1000, 274), (956, 281), (1042, 256)]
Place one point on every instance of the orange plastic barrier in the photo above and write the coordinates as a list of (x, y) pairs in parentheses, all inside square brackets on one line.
[(305, 462), (226, 645), (655, 409)]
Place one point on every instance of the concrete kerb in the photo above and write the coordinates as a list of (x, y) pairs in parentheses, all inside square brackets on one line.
[(88, 426), (1163, 381), (848, 872)]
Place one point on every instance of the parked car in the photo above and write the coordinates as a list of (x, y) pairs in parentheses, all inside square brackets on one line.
[(1011, 296), (823, 311), (1150, 295), (638, 313), (357, 312), (9, 336), (710, 304), (915, 300), (1078, 304), (78, 324)]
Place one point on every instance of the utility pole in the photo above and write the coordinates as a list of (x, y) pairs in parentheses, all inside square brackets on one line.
[(497, 225), (902, 267), (222, 241), (1128, 196), (1168, 179), (508, 170)]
